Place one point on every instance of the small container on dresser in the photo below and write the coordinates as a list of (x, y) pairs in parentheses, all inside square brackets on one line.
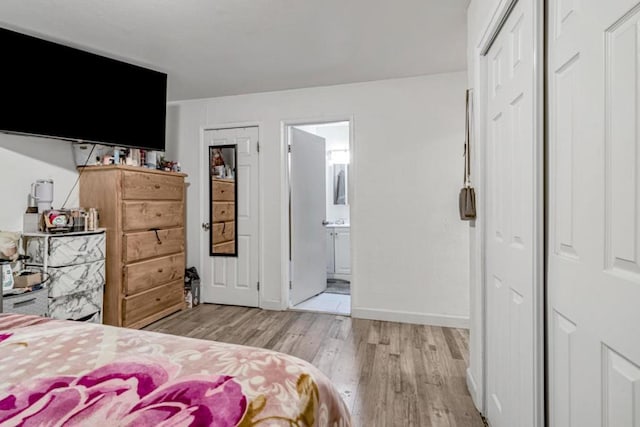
[(74, 268), (143, 211)]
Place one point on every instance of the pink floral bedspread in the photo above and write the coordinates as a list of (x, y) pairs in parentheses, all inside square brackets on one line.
[(62, 373)]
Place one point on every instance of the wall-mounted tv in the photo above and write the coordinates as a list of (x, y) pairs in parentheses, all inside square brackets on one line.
[(51, 90)]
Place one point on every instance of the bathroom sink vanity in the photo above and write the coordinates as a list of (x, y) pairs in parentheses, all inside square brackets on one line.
[(338, 251)]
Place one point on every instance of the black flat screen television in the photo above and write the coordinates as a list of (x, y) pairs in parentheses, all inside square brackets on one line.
[(51, 90)]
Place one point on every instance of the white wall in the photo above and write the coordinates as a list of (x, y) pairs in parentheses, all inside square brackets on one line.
[(479, 17), (410, 248), (23, 160)]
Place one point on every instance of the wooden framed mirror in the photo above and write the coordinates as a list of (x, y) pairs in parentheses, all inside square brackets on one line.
[(223, 195)]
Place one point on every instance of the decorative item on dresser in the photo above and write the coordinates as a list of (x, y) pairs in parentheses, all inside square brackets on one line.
[(75, 266), (143, 211)]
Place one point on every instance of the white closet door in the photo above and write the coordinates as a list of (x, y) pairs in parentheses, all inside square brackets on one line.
[(512, 238), (594, 213), (234, 280)]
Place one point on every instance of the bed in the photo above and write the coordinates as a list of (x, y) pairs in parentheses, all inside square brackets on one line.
[(63, 373)]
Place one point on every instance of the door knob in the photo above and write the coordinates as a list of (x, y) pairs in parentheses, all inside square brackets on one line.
[(206, 226), (325, 222)]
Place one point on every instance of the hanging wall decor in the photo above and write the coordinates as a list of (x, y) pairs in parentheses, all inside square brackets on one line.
[(467, 197)]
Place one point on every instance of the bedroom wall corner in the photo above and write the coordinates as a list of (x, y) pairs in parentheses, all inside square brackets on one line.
[(25, 159)]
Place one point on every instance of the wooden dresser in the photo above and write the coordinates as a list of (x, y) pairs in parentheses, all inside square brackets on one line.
[(143, 211)]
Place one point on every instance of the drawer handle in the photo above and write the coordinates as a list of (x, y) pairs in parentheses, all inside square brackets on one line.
[(158, 214), (157, 186), (157, 235), (157, 299), (85, 318), (25, 302), (160, 270)]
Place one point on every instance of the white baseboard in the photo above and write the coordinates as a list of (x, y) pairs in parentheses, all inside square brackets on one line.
[(409, 317), (474, 391), (272, 305)]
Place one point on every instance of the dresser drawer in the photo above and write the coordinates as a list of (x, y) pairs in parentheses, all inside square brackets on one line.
[(223, 232), (223, 190), (34, 303), (225, 248), (149, 274), (148, 244), (141, 309), (151, 186), (76, 306), (75, 278), (148, 215), (67, 250), (224, 211)]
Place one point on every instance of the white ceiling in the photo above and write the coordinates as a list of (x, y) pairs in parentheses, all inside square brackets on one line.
[(224, 47)]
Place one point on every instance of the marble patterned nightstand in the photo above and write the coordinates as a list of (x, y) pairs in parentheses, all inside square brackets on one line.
[(75, 266)]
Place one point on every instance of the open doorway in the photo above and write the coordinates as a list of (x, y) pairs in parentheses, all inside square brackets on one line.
[(320, 218)]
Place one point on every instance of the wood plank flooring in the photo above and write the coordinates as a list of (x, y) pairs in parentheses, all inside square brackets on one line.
[(389, 374)]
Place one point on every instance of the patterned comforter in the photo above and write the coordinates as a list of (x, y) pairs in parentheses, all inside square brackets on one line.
[(62, 373)]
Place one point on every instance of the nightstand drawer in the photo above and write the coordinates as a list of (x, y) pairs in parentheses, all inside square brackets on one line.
[(66, 250), (76, 306), (34, 303), (75, 278)]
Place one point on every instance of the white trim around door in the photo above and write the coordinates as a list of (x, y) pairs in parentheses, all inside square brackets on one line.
[(285, 236), (203, 177)]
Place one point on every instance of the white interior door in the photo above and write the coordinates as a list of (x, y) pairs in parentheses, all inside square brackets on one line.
[(512, 237), (594, 213), (234, 280), (308, 211)]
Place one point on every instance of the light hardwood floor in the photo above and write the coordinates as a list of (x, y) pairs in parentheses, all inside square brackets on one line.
[(389, 374)]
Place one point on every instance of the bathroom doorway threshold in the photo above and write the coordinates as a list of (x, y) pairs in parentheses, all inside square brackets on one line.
[(328, 303)]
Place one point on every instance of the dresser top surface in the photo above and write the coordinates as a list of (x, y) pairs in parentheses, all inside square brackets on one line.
[(86, 169)]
